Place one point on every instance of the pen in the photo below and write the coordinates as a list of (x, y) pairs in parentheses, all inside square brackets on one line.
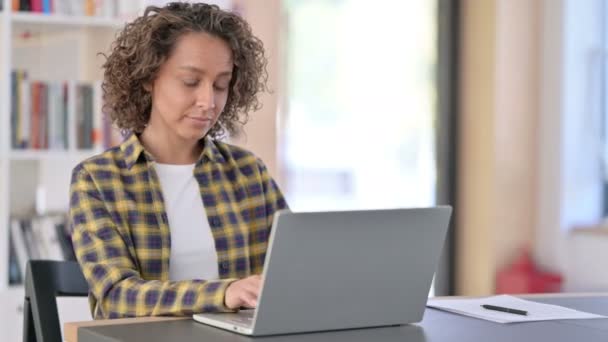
[(503, 309)]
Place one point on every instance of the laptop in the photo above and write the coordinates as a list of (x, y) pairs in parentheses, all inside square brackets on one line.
[(342, 270)]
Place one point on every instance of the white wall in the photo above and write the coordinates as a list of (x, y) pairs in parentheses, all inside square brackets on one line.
[(569, 165)]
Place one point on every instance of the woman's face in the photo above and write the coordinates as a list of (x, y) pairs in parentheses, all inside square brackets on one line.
[(191, 87)]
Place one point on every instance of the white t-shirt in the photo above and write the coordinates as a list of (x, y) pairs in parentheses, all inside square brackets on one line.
[(193, 254)]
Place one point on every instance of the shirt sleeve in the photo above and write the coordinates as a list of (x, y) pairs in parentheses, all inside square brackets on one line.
[(273, 197), (272, 201), (107, 262)]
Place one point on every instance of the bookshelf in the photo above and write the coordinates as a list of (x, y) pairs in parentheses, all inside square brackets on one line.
[(57, 51), (47, 155), (60, 22)]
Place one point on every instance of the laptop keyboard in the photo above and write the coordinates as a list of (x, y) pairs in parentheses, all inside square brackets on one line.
[(243, 318)]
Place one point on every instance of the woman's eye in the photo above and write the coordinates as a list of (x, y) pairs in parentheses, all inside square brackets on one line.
[(190, 83), (220, 87)]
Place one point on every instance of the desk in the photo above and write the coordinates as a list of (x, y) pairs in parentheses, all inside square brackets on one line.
[(437, 326)]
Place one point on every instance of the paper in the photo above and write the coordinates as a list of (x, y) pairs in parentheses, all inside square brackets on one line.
[(536, 311)]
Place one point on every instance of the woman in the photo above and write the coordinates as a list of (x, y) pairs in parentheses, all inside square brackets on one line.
[(172, 221)]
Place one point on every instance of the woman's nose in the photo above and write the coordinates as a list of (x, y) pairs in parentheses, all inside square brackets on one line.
[(205, 97)]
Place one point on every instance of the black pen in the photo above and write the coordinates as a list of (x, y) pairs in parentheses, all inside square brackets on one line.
[(503, 309)]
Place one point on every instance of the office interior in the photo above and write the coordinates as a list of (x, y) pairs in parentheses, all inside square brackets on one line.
[(496, 107)]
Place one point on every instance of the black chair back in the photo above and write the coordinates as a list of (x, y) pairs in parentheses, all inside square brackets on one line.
[(44, 281)]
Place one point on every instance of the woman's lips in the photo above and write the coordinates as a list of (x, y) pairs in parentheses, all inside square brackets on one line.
[(199, 121)]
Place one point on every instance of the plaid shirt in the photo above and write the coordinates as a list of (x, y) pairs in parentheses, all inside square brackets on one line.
[(121, 234)]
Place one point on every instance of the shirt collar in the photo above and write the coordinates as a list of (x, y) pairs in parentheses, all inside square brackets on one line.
[(210, 151), (133, 149)]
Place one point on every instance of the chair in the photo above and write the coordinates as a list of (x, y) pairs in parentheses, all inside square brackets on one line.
[(44, 281)]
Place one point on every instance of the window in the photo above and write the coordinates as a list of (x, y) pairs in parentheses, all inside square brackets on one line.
[(360, 112)]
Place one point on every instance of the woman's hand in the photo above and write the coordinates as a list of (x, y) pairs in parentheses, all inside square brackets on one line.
[(243, 293)]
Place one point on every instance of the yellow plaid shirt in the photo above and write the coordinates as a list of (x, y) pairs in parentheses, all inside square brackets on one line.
[(121, 236)]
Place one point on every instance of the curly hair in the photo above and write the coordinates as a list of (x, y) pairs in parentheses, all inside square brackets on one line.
[(145, 44)]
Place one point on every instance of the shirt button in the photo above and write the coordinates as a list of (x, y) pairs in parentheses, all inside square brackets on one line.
[(215, 222), (224, 265)]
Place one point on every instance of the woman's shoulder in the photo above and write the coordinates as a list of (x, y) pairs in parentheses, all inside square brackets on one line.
[(109, 160), (235, 153)]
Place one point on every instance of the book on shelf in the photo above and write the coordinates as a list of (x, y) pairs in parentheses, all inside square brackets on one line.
[(23, 5), (84, 117), (36, 5), (14, 271), (39, 113), (92, 8), (38, 237), (41, 110)]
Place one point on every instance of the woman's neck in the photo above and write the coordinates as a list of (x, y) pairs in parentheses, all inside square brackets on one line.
[(168, 148)]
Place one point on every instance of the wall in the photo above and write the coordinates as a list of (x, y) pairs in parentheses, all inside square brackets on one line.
[(476, 147), (261, 130), (517, 113), (499, 114), (570, 173)]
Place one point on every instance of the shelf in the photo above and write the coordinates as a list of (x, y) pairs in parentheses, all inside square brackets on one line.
[(56, 22), (16, 288), (51, 154), (12, 290), (65, 20)]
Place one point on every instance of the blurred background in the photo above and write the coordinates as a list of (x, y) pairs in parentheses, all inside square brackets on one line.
[(497, 107)]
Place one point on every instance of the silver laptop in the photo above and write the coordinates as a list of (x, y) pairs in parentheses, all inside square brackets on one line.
[(342, 270)]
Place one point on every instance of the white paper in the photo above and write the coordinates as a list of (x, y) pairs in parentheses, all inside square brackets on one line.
[(536, 311)]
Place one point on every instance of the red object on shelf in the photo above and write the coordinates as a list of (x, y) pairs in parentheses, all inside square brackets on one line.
[(522, 276)]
